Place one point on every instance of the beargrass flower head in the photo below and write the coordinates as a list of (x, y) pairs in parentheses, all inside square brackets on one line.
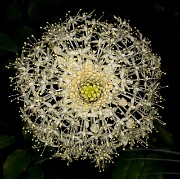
[(89, 87)]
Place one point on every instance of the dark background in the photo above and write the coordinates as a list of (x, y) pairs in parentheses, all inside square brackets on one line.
[(159, 21)]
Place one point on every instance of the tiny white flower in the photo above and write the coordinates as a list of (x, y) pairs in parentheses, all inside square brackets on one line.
[(130, 123), (57, 50), (122, 102), (95, 128)]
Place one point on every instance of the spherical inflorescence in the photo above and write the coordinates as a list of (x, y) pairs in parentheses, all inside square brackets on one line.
[(89, 87)]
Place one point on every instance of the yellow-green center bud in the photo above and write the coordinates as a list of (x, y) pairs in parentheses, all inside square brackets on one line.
[(90, 91)]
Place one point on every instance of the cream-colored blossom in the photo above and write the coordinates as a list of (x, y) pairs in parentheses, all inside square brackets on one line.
[(89, 87)]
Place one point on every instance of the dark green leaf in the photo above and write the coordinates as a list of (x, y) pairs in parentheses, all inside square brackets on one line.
[(35, 6), (6, 141), (166, 136), (7, 44), (158, 7), (35, 172), (153, 168), (133, 165), (129, 169), (16, 163), (13, 13)]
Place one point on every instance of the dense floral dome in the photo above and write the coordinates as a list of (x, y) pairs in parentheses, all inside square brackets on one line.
[(89, 87)]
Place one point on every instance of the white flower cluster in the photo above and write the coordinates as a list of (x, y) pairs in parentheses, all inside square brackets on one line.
[(89, 87)]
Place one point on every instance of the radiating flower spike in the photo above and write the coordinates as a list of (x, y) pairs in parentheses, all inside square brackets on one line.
[(89, 87)]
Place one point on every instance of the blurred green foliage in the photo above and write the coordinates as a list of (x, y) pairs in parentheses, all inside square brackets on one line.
[(7, 44), (22, 18), (5, 141), (16, 163), (135, 165)]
